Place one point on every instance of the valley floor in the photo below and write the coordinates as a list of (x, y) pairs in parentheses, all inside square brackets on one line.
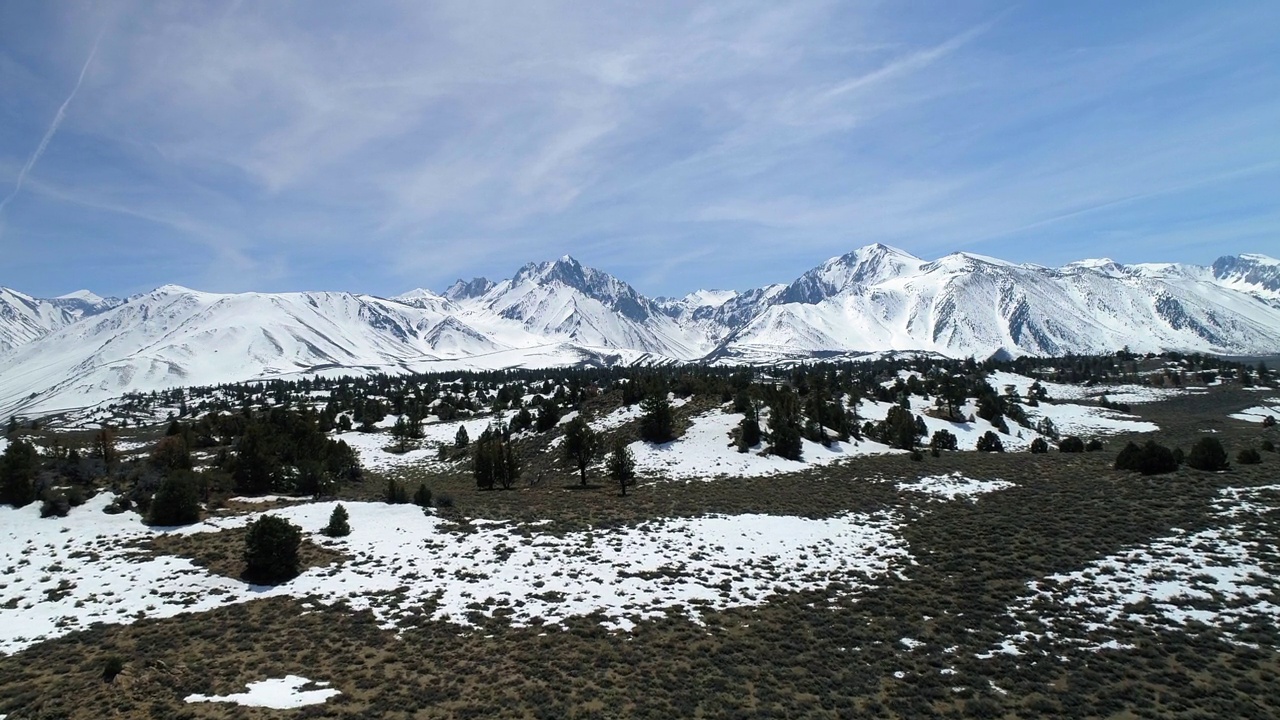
[(971, 584)]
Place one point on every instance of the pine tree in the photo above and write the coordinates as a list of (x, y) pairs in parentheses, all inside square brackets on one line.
[(18, 468), (990, 442), (271, 550), (784, 427), (460, 440), (177, 500), (657, 425), (422, 496), (622, 465), (581, 445), (339, 523)]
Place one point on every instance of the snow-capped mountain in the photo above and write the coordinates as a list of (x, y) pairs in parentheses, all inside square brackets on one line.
[(24, 318), (80, 350), (966, 304), (566, 301)]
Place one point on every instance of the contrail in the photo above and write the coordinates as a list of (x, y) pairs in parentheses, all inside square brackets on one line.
[(53, 126)]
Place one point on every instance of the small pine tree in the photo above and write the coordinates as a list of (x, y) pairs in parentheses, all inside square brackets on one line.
[(1071, 444), (990, 442), (943, 440), (1039, 446), (749, 435), (1208, 455), (271, 550), (657, 425), (18, 467), (177, 500), (422, 496), (460, 440), (339, 523), (1249, 456), (622, 466), (581, 445)]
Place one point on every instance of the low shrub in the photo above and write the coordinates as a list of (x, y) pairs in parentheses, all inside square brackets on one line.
[(1071, 444), (1148, 459), (1249, 456)]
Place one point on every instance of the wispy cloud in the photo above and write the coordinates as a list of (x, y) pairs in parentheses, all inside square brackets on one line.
[(400, 143), (58, 117)]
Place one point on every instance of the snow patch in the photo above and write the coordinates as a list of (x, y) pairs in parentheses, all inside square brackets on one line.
[(278, 694), (954, 485)]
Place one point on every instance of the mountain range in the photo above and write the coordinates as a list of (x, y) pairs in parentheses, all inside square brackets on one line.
[(80, 349)]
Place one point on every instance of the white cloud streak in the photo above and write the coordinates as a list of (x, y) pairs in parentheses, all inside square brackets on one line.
[(58, 117)]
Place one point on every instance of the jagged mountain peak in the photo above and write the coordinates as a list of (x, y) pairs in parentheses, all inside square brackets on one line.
[(466, 290), (1252, 272), (867, 265)]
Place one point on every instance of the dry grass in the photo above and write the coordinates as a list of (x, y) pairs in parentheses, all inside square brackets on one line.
[(799, 655)]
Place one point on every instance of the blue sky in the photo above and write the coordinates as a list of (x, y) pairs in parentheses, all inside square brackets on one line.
[(378, 147)]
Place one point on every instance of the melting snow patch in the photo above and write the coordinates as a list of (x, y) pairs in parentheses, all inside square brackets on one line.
[(1271, 408), (1224, 577), (278, 694), (61, 575), (954, 485)]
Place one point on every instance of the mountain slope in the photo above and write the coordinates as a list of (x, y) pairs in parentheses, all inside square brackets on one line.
[(24, 318), (81, 350), (965, 304)]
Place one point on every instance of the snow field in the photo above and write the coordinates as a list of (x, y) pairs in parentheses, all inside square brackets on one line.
[(61, 575), (278, 694), (1222, 576)]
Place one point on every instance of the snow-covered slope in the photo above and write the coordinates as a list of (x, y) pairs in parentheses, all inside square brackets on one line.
[(563, 300), (80, 350), (24, 318), (965, 304), (175, 336)]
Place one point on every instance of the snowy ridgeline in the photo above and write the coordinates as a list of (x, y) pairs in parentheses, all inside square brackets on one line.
[(59, 357), (62, 575)]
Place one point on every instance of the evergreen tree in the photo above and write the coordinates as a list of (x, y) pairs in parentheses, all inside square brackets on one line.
[(657, 424), (581, 445), (339, 523), (899, 429), (1039, 446), (460, 440), (177, 500), (944, 440), (990, 442), (784, 427), (18, 467), (622, 465), (171, 453), (271, 550), (422, 496), (1208, 455)]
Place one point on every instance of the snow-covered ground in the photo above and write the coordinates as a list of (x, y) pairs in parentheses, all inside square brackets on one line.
[(706, 451), (63, 574), (952, 486), (1224, 577), (283, 693), (371, 447), (1127, 393), (1269, 408)]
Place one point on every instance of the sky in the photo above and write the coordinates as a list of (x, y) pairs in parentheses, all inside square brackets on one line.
[(383, 146)]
